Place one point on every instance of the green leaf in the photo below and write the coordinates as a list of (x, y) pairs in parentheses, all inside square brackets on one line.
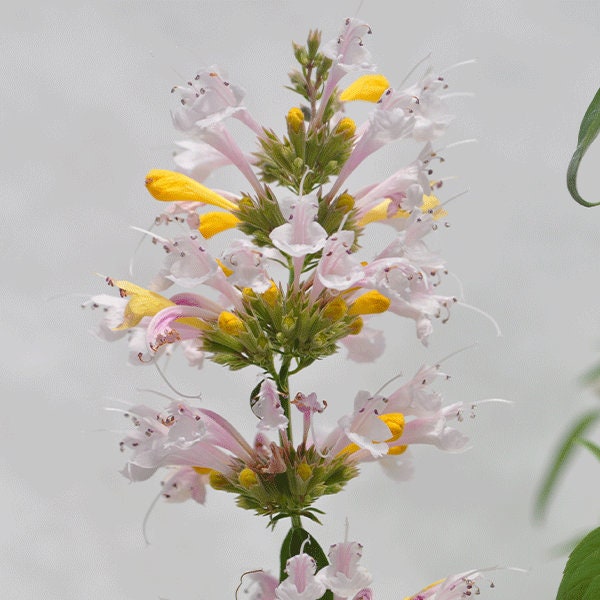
[(292, 545), (581, 577), (595, 450), (563, 455), (590, 127)]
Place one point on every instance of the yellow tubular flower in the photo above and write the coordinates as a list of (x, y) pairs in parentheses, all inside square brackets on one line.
[(230, 323), (142, 303), (379, 212), (369, 303), (295, 119), (169, 186), (215, 222), (145, 303), (367, 87)]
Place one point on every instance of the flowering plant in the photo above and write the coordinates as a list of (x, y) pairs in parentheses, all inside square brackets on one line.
[(288, 292)]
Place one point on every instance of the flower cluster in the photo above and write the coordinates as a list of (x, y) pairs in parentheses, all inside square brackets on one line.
[(346, 578), (292, 287)]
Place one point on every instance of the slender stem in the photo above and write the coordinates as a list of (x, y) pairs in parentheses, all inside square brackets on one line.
[(283, 387), (296, 521)]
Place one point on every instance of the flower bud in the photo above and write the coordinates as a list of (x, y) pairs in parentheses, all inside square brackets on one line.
[(247, 478), (304, 471), (355, 326), (218, 481), (345, 202), (230, 323), (295, 120), (335, 309), (369, 303), (346, 127), (271, 296)]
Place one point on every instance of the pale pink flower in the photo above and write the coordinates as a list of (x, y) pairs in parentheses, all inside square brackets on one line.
[(268, 407), (262, 586), (366, 346), (185, 484), (302, 234), (405, 189), (344, 576), (454, 587), (198, 159), (301, 583), (348, 53), (337, 269), (247, 263)]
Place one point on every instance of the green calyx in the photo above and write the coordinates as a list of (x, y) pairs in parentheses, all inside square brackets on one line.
[(303, 476), (281, 325)]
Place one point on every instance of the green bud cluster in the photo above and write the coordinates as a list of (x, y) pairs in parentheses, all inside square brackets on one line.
[(310, 155), (304, 477), (289, 325)]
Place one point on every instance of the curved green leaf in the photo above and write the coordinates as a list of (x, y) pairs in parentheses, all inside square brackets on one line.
[(561, 457), (581, 577), (590, 127)]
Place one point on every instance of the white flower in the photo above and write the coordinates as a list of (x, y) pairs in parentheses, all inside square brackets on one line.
[(344, 576), (302, 234), (268, 407), (301, 583)]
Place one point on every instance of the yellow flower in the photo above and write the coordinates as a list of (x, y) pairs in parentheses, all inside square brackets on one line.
[(367, 87), (169, 186), (379, 212), (215, 222), (145, 303), (369, 303)]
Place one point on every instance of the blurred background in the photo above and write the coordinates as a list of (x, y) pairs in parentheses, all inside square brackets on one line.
[(86, 113)]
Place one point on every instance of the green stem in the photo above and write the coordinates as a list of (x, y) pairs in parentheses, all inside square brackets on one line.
[(296, 521), (283, 387)]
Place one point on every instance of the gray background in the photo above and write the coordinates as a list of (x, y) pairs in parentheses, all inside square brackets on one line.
[(85, 113)]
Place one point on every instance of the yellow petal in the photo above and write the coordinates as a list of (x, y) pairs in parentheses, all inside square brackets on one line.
[(225, 269), (169, 186), (379, 212), (142, 303), (369, 303), (145, 303), (367, 87), (215, 222)]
